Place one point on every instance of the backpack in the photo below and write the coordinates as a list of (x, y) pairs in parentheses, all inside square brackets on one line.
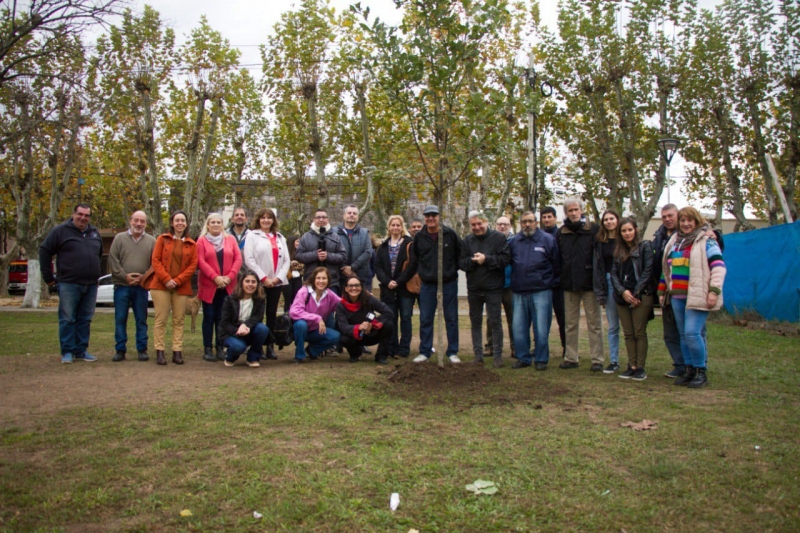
[(283, 334)]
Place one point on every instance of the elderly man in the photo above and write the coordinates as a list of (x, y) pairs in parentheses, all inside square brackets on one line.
[(575, 241), (535, 262), (484, 256), (503, 225), (79, 248), (321, 246), (239, 228), (424, 261), (129, 259)]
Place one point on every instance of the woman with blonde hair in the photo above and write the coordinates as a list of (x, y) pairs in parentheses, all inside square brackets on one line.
[(265, 253), (390, 267), (691, 281), (219, 261), (174, 261)]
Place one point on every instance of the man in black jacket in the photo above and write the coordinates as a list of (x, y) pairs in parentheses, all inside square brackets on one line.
[(575, 242), (424, 261), (484, 256), (321, 246), (550, 225), (79, 248)]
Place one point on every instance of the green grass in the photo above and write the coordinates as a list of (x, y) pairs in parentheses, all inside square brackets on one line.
[(322, 449)]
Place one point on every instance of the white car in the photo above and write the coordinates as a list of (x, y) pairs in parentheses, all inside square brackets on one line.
[(105, 291)]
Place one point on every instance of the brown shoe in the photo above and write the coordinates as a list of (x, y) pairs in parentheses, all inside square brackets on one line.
[(177, 358), (160, 359)]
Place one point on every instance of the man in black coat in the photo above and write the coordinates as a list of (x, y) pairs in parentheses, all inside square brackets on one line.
[(484, 256), (78, 248), (575, 242)]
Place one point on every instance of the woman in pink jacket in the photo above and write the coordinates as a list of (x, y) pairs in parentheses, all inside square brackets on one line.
[(312, 312), (219, 261)]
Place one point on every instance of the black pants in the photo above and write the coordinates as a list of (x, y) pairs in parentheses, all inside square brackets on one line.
[(508, 307), (558, 309), (380, 337), (273, 299), (493, 301)]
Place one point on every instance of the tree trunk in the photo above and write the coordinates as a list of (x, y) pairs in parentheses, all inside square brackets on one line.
[(192, 153), (734, 185), (627, 129), (608, 166), (5, 261), (792, 158), (759, 147), (369, 169), (202, 174), (310, 94), (148, 172)]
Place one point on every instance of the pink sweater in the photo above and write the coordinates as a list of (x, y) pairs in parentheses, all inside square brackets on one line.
[(209, 266), (311, 312)]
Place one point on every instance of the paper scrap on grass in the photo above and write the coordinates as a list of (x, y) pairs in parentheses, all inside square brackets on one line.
[(186, 512), (641, 426), (256, 514), (481, 486), (394, 501)]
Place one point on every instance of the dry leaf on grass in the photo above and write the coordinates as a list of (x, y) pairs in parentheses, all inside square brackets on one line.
[(641, 426)]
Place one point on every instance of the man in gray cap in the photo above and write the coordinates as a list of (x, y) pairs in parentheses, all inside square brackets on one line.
[(424, 255)]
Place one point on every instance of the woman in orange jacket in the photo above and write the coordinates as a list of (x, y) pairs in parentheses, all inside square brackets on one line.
[(174, 262)]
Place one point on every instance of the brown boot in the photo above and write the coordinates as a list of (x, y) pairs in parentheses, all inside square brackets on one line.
[(160, 359), (177, 357)]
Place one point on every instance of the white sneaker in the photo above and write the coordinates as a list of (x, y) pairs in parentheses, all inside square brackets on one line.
[(420, 359), (454, 359)]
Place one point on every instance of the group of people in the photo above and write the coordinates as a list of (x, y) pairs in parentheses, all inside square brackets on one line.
[(325, 278)]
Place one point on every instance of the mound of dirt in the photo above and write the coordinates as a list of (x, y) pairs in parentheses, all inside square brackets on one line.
[(466, 377)]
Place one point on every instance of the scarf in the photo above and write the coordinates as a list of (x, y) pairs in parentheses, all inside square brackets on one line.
[(320, 230), (351, 306), (216, 241), (685, 240), (574, 226)]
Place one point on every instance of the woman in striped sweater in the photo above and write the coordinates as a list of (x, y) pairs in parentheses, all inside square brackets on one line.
[(692, 279)]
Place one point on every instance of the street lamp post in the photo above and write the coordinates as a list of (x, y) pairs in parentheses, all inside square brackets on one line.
[(547, 90), (668, 146)]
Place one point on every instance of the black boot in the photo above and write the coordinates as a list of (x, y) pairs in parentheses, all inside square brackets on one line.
[(687, 376), (208, 355), (271, 352), (699, 380), (220, 354)]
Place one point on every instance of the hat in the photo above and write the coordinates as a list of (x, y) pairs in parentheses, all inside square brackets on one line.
[(431, 210)]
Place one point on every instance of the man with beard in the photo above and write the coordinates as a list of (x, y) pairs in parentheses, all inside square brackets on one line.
[(239, 228), (321, 246), (535, 262)]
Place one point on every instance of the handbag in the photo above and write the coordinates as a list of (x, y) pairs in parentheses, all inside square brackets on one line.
[(415, 283), (283, 333)]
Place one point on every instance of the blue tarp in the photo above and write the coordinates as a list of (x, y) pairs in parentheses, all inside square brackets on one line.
[(764, 272)]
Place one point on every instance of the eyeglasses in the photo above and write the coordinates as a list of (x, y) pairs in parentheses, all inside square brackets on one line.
[(321, 216), (353, 286)]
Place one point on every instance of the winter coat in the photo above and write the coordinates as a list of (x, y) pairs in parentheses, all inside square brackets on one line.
[(702, 279), (229, 322), (208, 265), (162, 257), (383, 268), (317, 239), (306, 308), (535, 262), (424, 256), (349, 316), (578, 260), (257, 256), (79, 253), (642, 258), (358, 250), (491, 275)]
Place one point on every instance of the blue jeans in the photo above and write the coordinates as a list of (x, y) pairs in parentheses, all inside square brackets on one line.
[(535, 308), (402, 308), (427, 312), (76, 304), (317, 342), (255, 339), (134, 298), (212, 314), (613, 323), (691, 325)]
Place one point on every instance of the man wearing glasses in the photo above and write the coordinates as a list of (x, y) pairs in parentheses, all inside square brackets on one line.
[(424, 261), (321, 246), (79, 248)]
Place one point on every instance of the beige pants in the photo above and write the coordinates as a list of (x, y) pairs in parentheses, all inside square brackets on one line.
[(163, 301), (572, 315)]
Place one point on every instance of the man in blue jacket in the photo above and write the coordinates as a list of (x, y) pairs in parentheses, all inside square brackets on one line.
[(358, 245), (79, 248), (535, 264)]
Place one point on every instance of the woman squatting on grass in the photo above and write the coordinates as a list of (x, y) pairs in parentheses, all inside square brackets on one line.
[(364, 321), (312, 311), (692, 279), (241, 323), (631, 274)]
